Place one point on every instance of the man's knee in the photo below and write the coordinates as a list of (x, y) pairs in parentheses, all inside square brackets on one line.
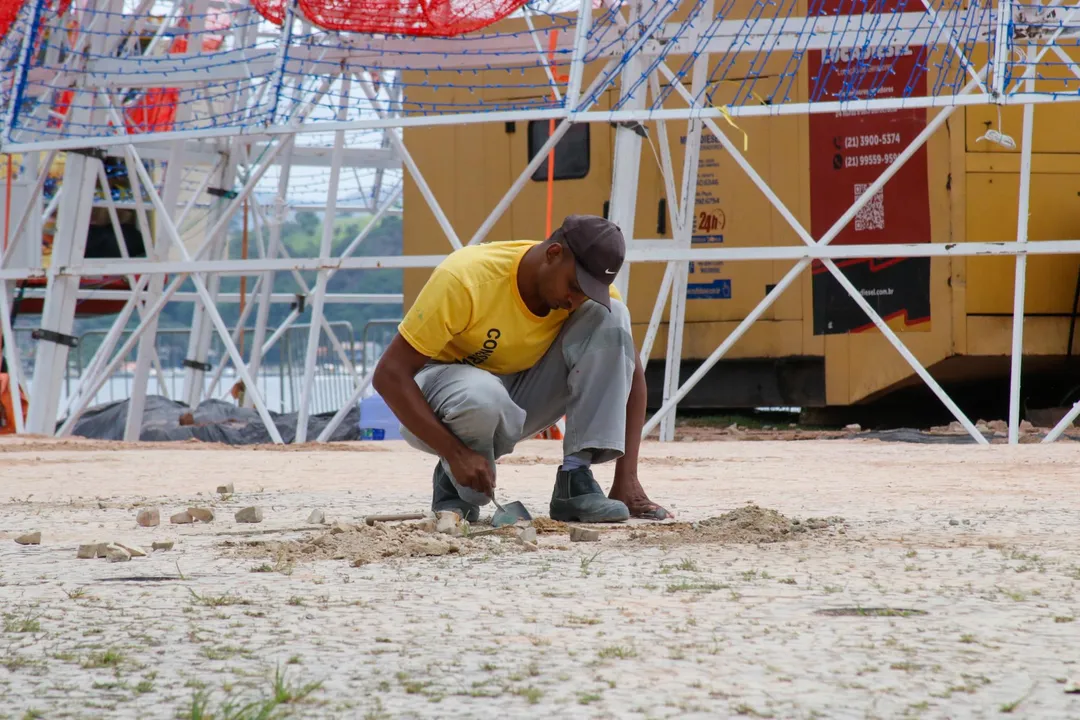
[(480, 402), (477, 390), (472, 403), (598, 330), (595, 315)]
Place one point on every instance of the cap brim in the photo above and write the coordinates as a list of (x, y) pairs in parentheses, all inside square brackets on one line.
[(593, 288)]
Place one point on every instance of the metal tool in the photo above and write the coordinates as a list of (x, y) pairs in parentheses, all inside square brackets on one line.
[(508, 515), (372, 519)]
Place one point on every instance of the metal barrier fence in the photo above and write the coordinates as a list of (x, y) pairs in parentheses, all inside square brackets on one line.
[(280, 376), (386, 328)]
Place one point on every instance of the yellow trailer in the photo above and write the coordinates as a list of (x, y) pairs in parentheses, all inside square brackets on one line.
[(811, 348)]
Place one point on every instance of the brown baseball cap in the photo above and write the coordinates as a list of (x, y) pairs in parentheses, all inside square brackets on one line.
[(599, 250)]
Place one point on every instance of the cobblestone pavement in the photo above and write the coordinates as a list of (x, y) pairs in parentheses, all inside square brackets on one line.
[(974, 551)]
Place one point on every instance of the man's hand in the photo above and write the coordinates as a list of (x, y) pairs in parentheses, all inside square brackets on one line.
[(627, 489), (472, 470)]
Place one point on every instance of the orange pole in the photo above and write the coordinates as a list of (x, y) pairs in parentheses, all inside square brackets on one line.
[(243, 278), (552, 44), (552, 432)]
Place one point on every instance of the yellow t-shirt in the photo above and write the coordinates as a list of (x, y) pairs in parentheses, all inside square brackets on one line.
[(471, 311)]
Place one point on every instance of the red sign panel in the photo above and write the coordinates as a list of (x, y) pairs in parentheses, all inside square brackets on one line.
[(848, 152)]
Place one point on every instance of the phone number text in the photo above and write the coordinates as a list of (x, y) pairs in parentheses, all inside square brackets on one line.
[(860, 141), (852, 161)]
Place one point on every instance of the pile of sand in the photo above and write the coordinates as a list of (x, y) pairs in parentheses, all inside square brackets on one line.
[(749, 524), (547, 526), (362, 544)]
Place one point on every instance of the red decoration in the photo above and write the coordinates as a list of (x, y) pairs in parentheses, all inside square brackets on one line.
[(9, 10), (428, 18)]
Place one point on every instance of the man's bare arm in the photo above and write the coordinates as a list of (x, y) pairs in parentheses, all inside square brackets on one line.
[(635, 421), (394, 380), (626, 485)]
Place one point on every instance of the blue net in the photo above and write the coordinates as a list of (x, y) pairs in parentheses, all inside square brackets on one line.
[(93, 73), (110, 70), (1045, 49)]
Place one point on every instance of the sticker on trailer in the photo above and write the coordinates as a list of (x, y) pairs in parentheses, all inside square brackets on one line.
[(715, 290)]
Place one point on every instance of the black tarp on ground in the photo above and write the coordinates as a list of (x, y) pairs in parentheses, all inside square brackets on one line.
[(215, 421)]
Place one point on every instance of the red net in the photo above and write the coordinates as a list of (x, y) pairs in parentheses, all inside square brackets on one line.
[(9, 10), (155, 111), (429, 18)]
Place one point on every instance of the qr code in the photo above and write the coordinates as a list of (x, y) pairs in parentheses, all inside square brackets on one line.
[(872, 215)]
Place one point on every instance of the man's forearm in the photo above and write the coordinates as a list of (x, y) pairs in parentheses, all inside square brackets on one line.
[(635, 421)]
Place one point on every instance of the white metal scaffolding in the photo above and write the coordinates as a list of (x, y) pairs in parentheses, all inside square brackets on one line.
[(296, 84)]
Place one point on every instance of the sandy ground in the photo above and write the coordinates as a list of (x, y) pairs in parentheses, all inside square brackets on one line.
[(649, 622)]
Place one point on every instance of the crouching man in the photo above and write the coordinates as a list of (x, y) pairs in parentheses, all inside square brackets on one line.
[(503, 340)]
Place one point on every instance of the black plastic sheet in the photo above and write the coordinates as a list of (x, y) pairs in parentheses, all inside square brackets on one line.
[(215, 421)]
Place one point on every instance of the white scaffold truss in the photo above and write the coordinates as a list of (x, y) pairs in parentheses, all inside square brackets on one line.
[(208, 105)]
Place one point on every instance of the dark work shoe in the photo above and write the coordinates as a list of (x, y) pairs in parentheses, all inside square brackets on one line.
[(445, 496), (578, 498)]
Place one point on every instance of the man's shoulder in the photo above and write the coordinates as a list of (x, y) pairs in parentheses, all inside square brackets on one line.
[(474, 264)]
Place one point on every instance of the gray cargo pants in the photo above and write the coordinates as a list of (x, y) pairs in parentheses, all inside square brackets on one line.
[(585, 375)]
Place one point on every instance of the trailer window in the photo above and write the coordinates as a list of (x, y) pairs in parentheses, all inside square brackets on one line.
[(571, 152)]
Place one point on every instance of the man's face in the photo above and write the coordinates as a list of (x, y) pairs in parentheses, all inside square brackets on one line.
[(558, 280)]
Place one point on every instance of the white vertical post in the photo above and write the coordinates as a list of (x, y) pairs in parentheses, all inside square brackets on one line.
[(627, 164), (577, 61), (58, 315), (202, 330), (684, 230), (158, 250), (1020, 281), (101, 355), (325, 247), (673, 359), (676, 215), (277, 218), (1002, 44)]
